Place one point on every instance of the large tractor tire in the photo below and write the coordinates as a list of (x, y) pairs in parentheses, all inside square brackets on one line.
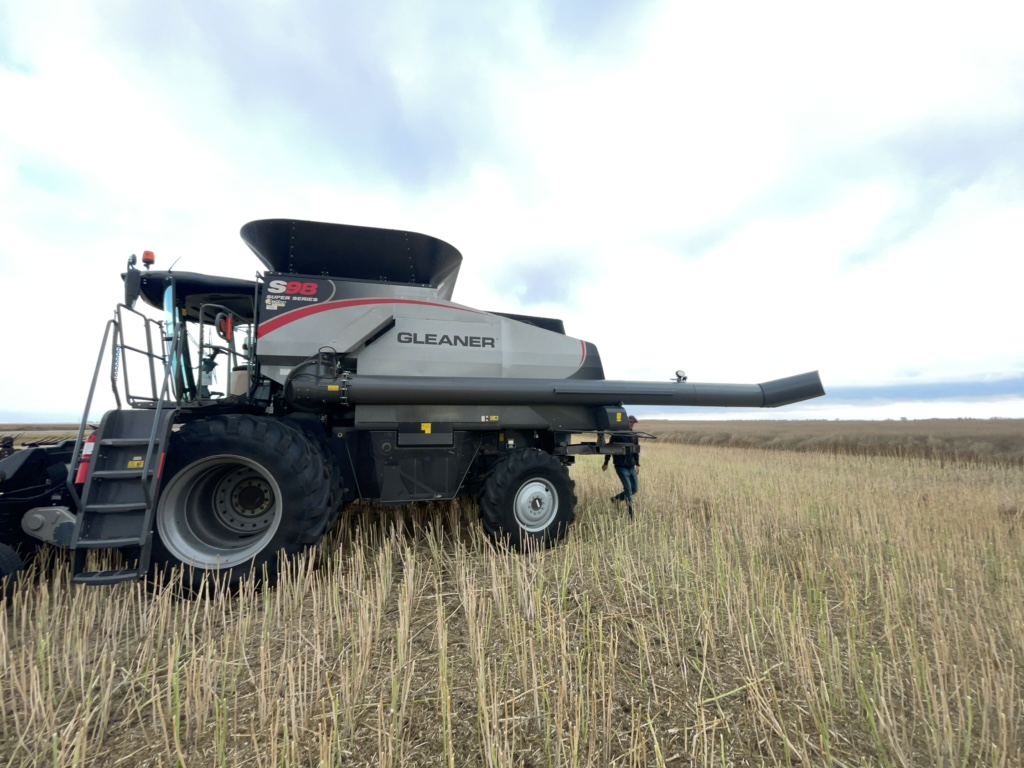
[(237, 492), (310, 426), (10, 565), (336, 494), (528, 500)]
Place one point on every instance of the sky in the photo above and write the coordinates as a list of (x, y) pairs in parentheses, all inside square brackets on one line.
[(742, 190)]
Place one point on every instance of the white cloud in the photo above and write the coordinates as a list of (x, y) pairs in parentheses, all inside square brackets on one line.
[(726, 173)]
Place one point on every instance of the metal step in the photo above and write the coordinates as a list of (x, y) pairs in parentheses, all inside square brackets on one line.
[(119, 474), (110, 543), (124, 441), (128, 506), (106, 577), (116, 507)]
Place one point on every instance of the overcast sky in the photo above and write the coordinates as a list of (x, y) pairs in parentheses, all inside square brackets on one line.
[(742, 190)]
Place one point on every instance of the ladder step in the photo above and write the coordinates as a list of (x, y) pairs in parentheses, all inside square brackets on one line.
[(106, 577), (116, 503), (120, 541), (128, 506), (119, 474), (126, 441)]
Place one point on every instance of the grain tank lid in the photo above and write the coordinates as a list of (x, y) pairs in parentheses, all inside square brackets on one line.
[(356, 253)]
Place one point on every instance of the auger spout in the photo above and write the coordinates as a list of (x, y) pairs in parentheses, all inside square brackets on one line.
[(355, 389)]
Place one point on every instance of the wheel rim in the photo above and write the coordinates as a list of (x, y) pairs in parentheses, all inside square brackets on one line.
[(536, 505), (219, 512)]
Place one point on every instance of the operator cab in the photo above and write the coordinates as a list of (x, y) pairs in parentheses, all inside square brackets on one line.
[(208, 331)]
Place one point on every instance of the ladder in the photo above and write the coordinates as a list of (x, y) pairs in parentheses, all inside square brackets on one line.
[(118, 500)]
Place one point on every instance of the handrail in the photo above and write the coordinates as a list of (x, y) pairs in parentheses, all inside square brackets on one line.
[(158, 399), (152, 357), (76, 454)]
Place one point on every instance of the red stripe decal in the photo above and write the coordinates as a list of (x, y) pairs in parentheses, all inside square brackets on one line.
[(583, 352), (298, 314)]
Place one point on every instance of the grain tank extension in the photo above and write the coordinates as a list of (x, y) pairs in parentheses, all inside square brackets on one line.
[(250, 412)]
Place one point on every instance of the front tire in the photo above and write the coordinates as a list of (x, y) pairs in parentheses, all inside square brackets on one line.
[(528, 500), (237, 491)]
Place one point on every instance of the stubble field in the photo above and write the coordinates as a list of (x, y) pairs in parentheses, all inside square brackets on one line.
[(766, 607), (987, 441)]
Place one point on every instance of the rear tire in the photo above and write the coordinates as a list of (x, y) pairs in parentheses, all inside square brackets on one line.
[(10, 565), (528, 500), (237, 491)]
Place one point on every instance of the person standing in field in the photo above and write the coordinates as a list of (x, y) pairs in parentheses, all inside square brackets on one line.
[(627, 466)]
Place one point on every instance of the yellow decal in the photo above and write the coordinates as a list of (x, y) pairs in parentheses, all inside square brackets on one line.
[(333, 387), (618, 417), (136, 464), (425, 427)]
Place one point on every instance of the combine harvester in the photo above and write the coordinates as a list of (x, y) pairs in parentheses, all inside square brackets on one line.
[(349, 374)]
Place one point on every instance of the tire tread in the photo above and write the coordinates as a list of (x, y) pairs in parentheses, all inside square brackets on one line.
[(299, 458), (507, 473)]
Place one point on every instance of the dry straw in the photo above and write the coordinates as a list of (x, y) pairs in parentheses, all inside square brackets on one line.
[(765, 608)]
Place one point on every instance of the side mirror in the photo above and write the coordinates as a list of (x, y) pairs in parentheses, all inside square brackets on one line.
[(132, 283), (224, 326)]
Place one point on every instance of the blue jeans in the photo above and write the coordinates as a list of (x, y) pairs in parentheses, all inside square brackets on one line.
[(630, 483)]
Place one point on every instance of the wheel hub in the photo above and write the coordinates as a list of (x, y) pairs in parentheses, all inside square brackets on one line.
[(219, 511), (536, 505), (251, 498), (243, 501)]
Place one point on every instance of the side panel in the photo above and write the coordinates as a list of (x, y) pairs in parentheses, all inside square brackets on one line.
[(409, 335), (397, 474), (298, 315), (433, 340), (568, 418)]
